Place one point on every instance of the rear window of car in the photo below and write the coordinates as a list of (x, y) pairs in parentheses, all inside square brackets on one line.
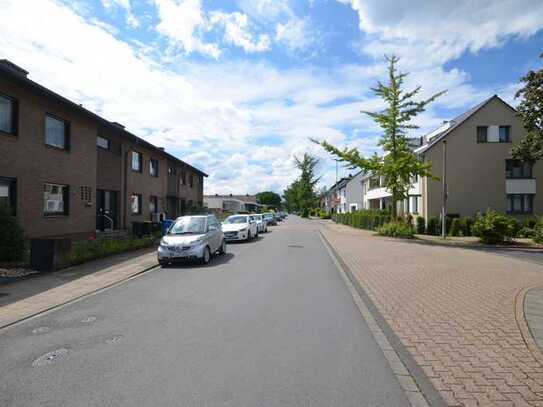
[(236, 219)]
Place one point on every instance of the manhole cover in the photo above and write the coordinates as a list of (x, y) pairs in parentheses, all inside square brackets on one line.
[(114, 339), (41, 330), (88, 319), (50, 357), (295, 246)]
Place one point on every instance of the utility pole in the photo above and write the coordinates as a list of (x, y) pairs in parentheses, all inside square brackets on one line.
[(444, 196)]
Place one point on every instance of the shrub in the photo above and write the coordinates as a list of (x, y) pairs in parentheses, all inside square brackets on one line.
[(456, 227), (324, 215), (538, 231), (396, 229), (493, 227), (514, 227), (433, 226), (421, 225), (12, 241), (94, 249), (526, 232), (529, 223), (369, 219), (467, 225), (305, 213)]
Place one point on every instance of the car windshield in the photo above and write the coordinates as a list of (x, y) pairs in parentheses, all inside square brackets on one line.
[(188, 226), (236, 219), (258, 217), (268, 215)]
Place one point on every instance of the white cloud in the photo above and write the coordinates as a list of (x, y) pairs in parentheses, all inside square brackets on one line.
[(236, 31), (131, 20), (182, 21), (295, 34), (437, 31)]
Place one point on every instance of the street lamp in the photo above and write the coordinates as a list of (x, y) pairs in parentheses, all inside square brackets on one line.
[(444, 193)]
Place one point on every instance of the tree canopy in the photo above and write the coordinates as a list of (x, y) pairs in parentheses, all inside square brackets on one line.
[(399, 164), (269, 198), (530, 110), (302, 194)]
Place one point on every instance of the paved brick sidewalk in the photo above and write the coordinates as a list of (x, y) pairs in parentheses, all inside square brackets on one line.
[(24, 299), (456, 311)]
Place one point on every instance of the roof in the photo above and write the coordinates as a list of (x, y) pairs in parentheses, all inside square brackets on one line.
[(17, 74), (242, 198), (436, 137)]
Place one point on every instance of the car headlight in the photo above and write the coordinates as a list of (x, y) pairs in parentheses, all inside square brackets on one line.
[(163, 244), (244, 229)]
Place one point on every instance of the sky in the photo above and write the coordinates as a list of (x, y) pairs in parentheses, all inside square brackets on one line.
[(237, 87)]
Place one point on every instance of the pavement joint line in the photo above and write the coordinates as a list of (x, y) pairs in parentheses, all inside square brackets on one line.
[(420, 392), (78, 298)]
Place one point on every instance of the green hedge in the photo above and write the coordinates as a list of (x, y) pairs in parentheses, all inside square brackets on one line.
[(369, 219), (396, 229), (87, 250), (12, 240)]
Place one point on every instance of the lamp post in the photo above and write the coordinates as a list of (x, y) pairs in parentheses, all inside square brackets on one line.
[(444, 193)]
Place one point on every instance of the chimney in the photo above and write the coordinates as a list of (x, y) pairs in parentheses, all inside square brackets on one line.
[(16, 69)]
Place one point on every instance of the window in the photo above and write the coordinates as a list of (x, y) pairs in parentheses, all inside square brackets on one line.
[(55, 199), (517, 169), (493, 134), (505, 134), (520, 203), (482, 134), (8, 193), (172, 170), (153, 204), (57, 132), (374, 183), (102, 142), (136, 161), (8, 115), (135, 204), (183, 178), (415, 179), (191, 180), (153, 167), (413, 204)]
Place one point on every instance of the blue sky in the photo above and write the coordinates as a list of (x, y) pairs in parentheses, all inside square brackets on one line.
[(236, 87)]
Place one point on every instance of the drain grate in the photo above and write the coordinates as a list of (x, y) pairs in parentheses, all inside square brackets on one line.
[(114, 339), (50, 357), (295, 246), (88, 319)]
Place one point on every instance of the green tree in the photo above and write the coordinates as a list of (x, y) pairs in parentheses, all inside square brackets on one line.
[(530, 109), (302, 194), (398, 164), (269, 198)]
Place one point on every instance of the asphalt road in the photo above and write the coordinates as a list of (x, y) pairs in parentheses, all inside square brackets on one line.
[(269, 324)]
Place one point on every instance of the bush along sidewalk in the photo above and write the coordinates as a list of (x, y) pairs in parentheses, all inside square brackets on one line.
[(369, 219), (397, 228), (13, 245), (88, 250)]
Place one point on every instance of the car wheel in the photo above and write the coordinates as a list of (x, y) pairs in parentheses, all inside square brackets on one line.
[(163, 263), (206, 257), (249, 237), (222, 249)]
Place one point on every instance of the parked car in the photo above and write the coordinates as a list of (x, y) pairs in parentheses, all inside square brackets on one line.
[(261, 223), (192, 238), (240, 227), (270, 219), (277, 217)]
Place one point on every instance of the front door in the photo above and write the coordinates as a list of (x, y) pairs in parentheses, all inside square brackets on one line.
[(106, 209)]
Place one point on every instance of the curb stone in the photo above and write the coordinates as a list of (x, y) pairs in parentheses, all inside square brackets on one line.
[(417, 387)]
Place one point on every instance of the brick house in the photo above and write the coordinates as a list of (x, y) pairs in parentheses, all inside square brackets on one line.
[(62, 166)]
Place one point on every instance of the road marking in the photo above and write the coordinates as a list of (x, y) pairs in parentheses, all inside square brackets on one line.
[(405, 379)]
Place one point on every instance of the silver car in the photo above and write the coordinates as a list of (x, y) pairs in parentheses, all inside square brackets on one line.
[(261, 223), (192, 238)]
